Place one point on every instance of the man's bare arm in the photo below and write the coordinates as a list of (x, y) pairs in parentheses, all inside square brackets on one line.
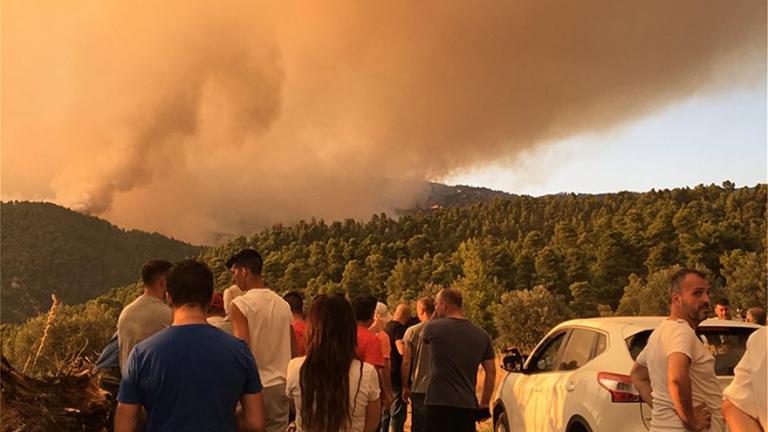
[(679, 384), (386, 387), (489, 366), (251, 416), (405, 373), (239, 324), (400, 346), (127, 417), (642, 382), (372, 416), (737, 420)]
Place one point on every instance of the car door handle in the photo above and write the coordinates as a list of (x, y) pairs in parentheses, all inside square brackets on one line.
[(570, 387)]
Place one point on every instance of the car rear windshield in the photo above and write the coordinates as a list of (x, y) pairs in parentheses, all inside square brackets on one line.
[(727, 345)]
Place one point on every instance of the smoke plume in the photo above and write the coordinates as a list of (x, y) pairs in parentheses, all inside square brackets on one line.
[(200, 119)]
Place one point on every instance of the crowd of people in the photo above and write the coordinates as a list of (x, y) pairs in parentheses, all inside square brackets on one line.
[(186, 358), (249, 360)]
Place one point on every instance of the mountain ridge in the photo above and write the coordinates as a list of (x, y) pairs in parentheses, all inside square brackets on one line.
[(46, 248)]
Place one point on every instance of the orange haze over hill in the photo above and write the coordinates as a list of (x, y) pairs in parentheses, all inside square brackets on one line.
[(197, 118)]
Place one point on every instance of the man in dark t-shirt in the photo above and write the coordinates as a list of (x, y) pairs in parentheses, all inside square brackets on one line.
[(394, 420), (191, 375), (458, 346)]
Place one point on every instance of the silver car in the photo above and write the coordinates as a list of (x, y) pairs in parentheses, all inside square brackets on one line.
[(577, 377)]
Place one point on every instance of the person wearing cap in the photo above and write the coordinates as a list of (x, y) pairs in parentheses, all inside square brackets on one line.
[(170, 376), (264, 321), (216, 315)]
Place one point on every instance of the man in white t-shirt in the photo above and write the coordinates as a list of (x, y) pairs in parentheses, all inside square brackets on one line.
[(263, 320), (675, 372), (745, 402)]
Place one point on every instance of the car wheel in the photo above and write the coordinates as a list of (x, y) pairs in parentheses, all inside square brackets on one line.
[(501, 423)]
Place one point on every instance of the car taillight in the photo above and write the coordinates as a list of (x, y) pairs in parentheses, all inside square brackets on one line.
[(619, 386)]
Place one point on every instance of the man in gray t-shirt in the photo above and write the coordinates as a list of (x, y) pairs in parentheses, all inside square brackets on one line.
[(417, 360), (458, 347), (146, 315)]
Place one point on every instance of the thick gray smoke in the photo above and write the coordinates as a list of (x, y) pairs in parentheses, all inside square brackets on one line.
[(199, 119)]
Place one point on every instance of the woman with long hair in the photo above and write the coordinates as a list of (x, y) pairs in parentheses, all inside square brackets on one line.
[(330, 388)]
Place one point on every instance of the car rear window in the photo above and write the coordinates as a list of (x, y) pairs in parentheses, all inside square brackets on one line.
[(636, 343), (727, 345)]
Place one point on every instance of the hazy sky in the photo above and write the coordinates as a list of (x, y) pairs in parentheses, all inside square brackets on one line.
[(700, 140), (203, 119)]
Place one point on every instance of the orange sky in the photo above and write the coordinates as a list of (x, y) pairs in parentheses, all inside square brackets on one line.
[(199, 118)]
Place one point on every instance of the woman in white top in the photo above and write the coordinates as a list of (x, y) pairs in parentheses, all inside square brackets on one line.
[(330, 388)]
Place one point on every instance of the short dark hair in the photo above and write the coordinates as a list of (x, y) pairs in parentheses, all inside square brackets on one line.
[(248, 258), (679, 276), (153, 269), (295, 301), (722, 301), (428, 304), (364, 306), (190, 282), (451, 296), (758, 314)]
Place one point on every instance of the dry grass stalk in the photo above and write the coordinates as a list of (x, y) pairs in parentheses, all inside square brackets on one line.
[(48, 324)]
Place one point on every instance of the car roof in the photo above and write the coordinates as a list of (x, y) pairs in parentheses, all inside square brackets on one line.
[(640, 323)]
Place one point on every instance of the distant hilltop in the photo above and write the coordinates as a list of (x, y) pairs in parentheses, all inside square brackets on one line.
[(444, 196), (48, 249)]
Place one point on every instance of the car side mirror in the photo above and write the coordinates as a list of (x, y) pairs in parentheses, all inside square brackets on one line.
[(513, 360)]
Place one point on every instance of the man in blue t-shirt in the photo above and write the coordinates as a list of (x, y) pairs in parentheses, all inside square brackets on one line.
[(191, 375)]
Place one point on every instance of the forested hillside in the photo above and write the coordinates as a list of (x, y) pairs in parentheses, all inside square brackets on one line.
[(523, 263), (49, 249), (561, 242)]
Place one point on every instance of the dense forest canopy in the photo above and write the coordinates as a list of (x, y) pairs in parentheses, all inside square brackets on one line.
[(550, 257), (48, 249)]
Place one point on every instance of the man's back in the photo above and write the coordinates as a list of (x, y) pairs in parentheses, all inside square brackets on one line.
[(269, 323), (458, 347), (420, 358), (139, 320), (395, 330), (189, 377), (676, 336)]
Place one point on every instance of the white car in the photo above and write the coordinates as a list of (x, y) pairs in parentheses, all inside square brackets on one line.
[(577, 377)]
